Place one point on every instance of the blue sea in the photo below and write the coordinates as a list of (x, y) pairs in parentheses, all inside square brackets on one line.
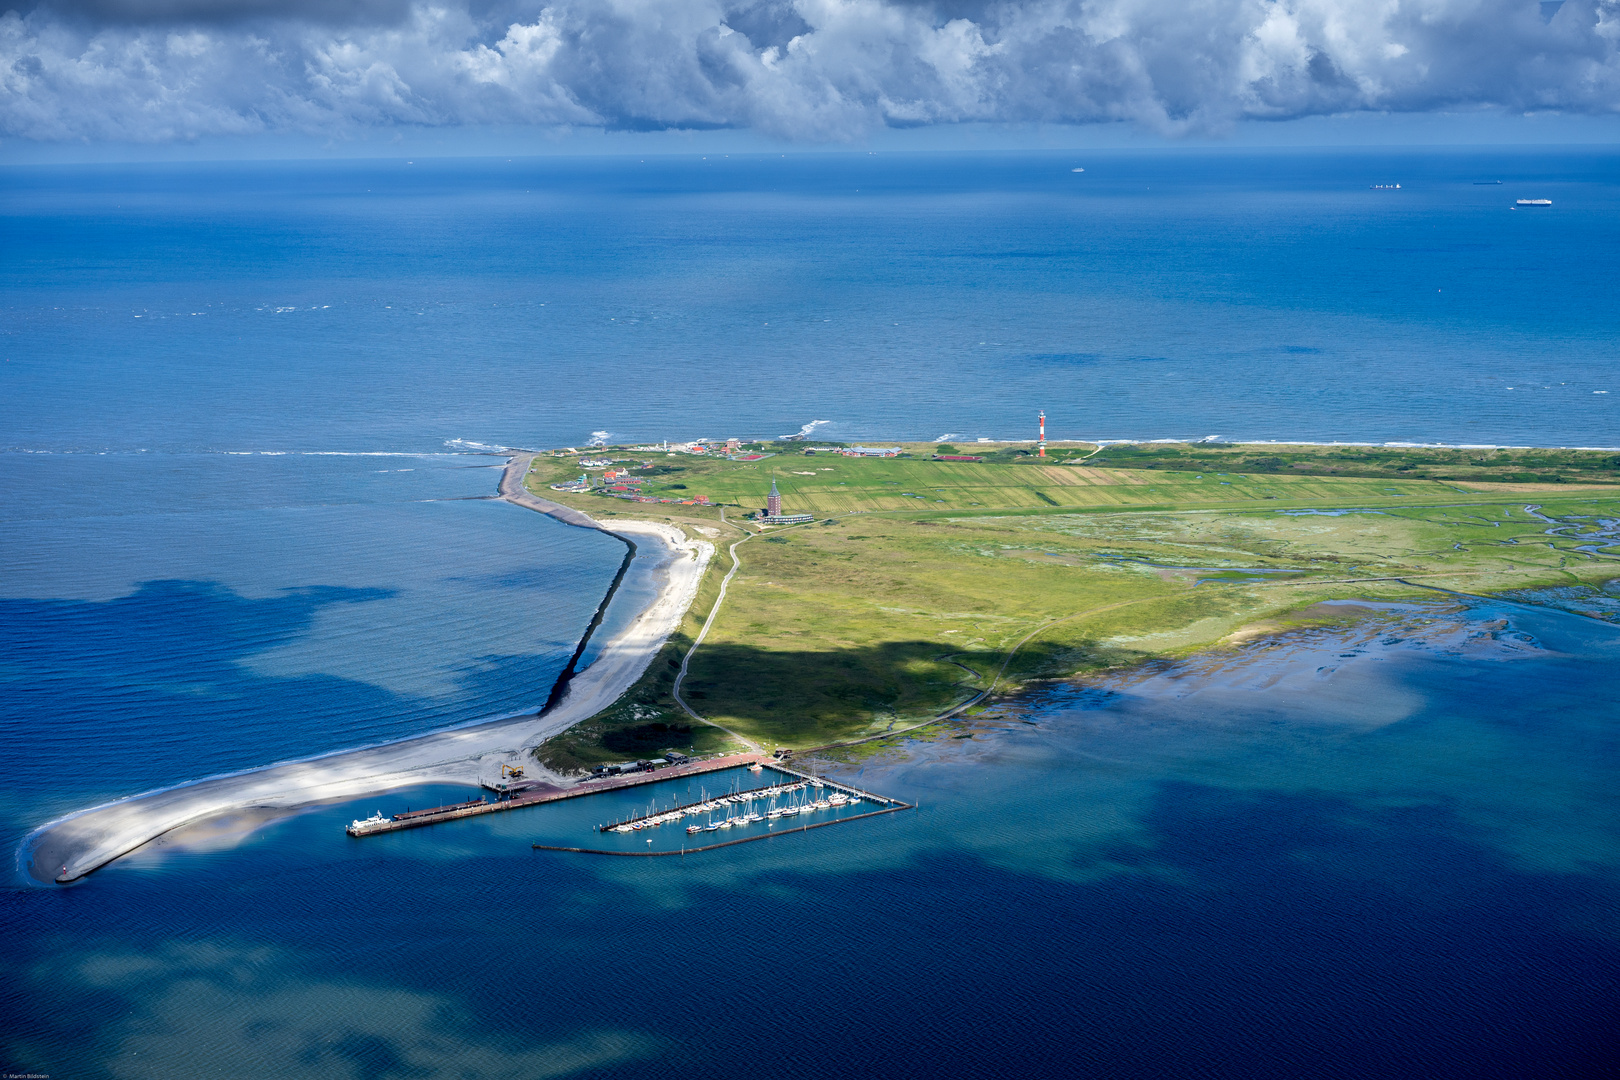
[(249, 423)]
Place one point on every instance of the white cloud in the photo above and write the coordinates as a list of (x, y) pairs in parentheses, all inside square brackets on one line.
[(800, 69)]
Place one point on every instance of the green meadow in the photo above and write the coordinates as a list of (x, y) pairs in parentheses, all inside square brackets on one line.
[(921, 583)]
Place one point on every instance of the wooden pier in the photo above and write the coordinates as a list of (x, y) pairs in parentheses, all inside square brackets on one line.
[(415, 819)]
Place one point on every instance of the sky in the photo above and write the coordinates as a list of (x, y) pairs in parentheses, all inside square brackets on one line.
[(154, 78)]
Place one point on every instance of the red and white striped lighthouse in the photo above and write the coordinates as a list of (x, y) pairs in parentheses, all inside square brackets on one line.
[(1042, 443)]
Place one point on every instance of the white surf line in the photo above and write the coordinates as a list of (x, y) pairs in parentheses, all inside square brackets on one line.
[(71, 847)]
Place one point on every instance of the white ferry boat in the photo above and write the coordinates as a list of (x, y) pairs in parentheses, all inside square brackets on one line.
[(1533, 202)]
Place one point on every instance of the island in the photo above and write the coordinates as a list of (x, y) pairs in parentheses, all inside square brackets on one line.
[(814, 595), (896, 588)]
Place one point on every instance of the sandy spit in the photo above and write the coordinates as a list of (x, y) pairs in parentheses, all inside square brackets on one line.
[(73, 846)]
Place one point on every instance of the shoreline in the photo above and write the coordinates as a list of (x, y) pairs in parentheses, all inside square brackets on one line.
[(68, 848), (1266, 658)]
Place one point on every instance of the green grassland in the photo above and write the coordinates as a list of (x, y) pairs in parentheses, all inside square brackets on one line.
[(921, 583), (1513, 465)]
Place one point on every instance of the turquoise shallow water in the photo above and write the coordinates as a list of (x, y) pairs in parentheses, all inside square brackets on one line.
[(172, 616), (262, 530), (1406, 865)]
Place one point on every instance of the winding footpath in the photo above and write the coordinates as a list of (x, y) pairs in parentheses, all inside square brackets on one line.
[(680, 676)]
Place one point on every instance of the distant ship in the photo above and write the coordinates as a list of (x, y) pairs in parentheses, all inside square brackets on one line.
[(1385, 187), (1533, 202), (1487, 183)]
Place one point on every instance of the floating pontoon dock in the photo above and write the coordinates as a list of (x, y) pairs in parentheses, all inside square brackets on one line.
[(889, 806)]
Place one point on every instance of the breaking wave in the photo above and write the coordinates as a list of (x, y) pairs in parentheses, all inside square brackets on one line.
[(468, 444), (804, 432)]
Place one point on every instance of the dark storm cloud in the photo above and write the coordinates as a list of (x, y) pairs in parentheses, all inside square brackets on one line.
[(801, 69)]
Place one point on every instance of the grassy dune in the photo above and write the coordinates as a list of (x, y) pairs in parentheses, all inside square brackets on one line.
[(895, 605)]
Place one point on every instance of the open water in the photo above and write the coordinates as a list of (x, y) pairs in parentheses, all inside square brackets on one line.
[(246, 413)]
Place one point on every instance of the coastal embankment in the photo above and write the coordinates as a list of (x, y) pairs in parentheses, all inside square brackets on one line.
[(665, 564)]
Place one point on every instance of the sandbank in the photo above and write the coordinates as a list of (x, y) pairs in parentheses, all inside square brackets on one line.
[(71, 847)]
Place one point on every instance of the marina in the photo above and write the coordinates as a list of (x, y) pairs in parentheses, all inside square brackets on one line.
[(893, 807), (743, 807), (536, 794), (794, 802), (741, 800)]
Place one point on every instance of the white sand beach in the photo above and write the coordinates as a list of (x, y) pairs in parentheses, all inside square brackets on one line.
[(666, 559)]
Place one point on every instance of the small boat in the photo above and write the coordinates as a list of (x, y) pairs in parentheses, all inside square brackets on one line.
[(756, 767), (622, 828), (694, 828)]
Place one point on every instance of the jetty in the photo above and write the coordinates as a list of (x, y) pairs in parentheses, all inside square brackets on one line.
[(537, 794)]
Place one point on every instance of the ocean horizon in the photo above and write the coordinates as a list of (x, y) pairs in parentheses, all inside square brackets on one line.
[(255, 415)]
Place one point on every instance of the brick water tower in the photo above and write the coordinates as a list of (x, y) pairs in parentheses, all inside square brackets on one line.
[(773, 501)]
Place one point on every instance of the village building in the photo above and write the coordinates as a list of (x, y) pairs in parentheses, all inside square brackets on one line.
[(773, 510)]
